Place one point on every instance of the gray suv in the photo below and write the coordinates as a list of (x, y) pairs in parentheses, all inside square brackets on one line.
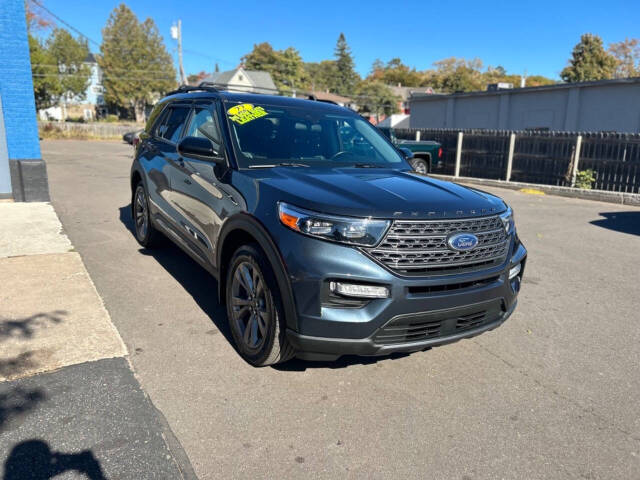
[(322, 239)]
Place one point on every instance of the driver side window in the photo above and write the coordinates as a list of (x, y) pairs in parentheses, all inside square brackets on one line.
[(203, 124)]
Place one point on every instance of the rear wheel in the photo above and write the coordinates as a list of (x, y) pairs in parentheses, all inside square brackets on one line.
[(420, 165), (254, 309)]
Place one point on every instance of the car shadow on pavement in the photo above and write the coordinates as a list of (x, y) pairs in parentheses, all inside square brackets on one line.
[(195, 279), (624, 222), (200, 285), (299, 365), (33, 459)]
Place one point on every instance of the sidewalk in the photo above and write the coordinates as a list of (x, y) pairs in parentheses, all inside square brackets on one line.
[(69, 401)]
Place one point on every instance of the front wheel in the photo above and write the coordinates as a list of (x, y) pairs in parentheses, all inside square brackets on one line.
[(146, 234), (254, 309), (420, 165)]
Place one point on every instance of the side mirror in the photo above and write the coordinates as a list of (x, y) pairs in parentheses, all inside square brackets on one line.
[(406, 153), (200, 149)]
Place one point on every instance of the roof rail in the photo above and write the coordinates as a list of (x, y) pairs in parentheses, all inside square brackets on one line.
[(203, 87), (316, 99)]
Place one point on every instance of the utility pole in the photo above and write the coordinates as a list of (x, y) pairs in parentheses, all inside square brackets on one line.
[(176, 34)]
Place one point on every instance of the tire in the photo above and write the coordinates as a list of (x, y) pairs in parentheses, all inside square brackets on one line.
[(146, 234), (420, 165), (254, 309)]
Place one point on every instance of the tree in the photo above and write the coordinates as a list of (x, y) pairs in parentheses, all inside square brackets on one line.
[(539, 80), (58, 69), (136, 65), (395, 72), (285, 66), (36, 17), (46, 84), (456, 75), (69, 56), (196, 78), (589, 61), (376, 98), (627, 55), (321, 75), (345, 75)]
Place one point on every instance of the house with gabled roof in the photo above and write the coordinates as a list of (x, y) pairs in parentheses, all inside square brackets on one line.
[(239, 79)]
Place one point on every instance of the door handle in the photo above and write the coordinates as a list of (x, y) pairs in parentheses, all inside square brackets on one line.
[(187, 181)]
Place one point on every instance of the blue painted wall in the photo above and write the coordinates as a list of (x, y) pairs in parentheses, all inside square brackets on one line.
[(16, 87)]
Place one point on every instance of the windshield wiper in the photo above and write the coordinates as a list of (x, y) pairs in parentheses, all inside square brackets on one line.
[(282, 164), (366, 165)]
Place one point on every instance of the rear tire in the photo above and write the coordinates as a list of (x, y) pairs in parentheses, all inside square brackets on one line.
[(254, 309), (146, 234), (420, 165)]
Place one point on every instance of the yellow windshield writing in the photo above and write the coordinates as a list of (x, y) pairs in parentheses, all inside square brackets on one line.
[(244, 113)]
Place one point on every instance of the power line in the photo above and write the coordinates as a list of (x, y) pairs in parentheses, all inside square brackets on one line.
[(63, 22)]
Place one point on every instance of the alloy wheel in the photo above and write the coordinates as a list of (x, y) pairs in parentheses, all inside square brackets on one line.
[(141, 214), (249, 306)]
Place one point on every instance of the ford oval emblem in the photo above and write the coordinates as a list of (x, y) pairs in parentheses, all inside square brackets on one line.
[(462, 241)]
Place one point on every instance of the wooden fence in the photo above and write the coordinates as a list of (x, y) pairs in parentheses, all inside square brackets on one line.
[(540, 157)]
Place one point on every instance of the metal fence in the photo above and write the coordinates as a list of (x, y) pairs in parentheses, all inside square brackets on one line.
[(550, 158)]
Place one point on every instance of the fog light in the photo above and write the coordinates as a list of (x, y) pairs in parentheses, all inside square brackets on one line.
[(515, 271), (360, 291)]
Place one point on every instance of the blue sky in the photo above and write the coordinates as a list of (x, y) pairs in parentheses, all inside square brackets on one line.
[(536, 36)]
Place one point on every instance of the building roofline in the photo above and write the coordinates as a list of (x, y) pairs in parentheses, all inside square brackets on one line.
[(556, 86)]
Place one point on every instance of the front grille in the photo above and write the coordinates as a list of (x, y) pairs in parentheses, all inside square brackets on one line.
[(440, 323), (421, 246)]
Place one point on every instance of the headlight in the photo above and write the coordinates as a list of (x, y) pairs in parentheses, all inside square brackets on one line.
[(354, 231), (508, 221)]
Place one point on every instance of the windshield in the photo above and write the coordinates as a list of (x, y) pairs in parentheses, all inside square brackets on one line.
[(268, 135)]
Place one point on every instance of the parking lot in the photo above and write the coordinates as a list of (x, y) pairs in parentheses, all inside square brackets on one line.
[(553, 393)]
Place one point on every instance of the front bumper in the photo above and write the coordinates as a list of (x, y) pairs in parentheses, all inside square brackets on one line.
[(325, 330), (324, 348)]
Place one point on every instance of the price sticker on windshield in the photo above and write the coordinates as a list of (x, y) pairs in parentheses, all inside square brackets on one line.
[(244, 113)]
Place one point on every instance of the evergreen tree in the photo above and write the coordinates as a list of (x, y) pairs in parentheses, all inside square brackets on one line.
[(136, 65), (589, 61), (346, 77)]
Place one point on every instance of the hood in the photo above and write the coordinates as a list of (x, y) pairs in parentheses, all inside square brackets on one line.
[(377, 193)]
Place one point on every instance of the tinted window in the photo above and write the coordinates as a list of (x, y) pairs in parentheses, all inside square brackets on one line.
[(172, 124), (203, 124)]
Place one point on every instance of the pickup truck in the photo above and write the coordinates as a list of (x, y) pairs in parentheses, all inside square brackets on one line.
[(426, 154)]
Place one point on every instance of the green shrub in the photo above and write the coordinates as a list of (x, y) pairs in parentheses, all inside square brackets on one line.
[(111, 118), (585, 178)]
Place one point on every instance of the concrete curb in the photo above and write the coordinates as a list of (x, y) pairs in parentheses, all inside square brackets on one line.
[(598, 195)]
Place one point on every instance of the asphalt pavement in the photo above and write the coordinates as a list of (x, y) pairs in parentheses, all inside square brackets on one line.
[(553, 393)]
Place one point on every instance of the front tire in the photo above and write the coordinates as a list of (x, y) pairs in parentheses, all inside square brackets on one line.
[(146, 234), (254, 309)]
